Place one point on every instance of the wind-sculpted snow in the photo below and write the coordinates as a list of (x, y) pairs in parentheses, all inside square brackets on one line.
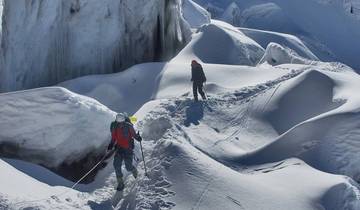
[(46, 42), (316, 126), (197, 146), (55, 128), (195, 152)]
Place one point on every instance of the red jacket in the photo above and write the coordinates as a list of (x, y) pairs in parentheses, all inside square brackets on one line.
[(123, 135)]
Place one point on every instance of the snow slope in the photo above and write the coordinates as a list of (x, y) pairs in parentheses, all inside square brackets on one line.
[(184, 156), (192, 152), (47, 42), (55, 128), (143, 82)]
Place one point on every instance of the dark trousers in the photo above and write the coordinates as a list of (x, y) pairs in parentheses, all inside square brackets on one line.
[(198, 87), (121, 155)]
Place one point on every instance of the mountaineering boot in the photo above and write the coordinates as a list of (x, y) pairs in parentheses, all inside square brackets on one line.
[(135, 173), (121, 184), (203, 97)]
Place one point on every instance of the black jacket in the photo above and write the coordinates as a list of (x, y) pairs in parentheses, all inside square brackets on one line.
[(197, 73)]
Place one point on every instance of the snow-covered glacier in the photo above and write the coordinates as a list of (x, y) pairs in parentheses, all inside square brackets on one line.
[(49, 41), (329, 28)]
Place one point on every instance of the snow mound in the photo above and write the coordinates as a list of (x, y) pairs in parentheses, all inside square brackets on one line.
[(276, 54), (194, 14), (335, 197), (264, 38), (299, 95), (124, 91), (229, 46), (317, 124), (54, 127)]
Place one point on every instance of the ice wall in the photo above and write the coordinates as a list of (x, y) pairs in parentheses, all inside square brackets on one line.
[(1, 11), (50, 41)]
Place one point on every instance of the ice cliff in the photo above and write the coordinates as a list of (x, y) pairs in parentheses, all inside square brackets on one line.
[(48, 41)]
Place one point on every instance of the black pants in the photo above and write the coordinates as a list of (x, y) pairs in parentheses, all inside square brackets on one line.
[(198, 86), (121, 155)]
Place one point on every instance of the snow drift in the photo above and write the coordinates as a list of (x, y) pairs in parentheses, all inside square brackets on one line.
[(55, 128), (46, 42)]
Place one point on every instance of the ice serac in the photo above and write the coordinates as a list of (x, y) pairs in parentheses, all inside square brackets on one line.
[(47, 41), (194, 14), (276, 54), (232, 14), (228, 46)]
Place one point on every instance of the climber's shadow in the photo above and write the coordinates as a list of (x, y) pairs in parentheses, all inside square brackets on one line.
[(194, 113)]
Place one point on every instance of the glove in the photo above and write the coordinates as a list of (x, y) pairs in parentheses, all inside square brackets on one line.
[(138, 137), (111, 146)]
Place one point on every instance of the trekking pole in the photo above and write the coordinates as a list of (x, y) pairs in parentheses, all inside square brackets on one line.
[(205, 91), (142, 153)]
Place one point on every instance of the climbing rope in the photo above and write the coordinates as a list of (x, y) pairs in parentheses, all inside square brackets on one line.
[(72, 187)]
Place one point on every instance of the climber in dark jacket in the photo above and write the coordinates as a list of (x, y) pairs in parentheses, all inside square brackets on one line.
[(198, 78)]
